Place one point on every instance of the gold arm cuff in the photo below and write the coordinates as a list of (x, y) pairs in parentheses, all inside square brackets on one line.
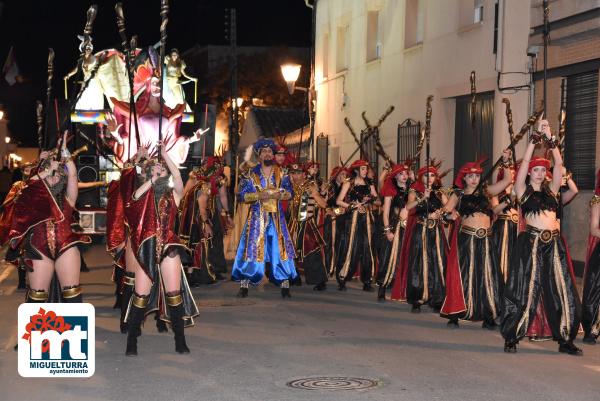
[(139, 301), (251, 197), (71, 292), (174, 300), (35, 295), (285, 195)]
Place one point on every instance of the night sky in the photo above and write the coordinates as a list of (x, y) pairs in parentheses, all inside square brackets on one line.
[(31, 26)]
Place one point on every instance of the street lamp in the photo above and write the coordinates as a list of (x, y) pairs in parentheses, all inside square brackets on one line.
[(290, 75), (7, 139)]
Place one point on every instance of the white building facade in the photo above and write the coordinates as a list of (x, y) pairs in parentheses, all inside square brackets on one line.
[(371, 54)]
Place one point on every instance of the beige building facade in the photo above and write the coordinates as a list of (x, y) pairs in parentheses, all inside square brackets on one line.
[(370, 54), (376, 53)]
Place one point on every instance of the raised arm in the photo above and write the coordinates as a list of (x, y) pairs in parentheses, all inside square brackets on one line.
[(174, 170), (569, 195), (501, 185), (520, 185)]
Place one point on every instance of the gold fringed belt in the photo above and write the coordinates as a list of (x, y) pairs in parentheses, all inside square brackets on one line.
[(429, 223), (512, 217), (477, 232), (544, 235)]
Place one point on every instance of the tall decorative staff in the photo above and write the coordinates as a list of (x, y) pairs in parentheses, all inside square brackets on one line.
[(46, 140), (164, 15), (562, 119), (39, 114), (546, 33), (127, 51), (517, 138), (511, 132), (473, 111), (428, 114)]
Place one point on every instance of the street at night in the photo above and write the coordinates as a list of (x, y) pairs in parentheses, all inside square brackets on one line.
[(300, 200), (250, 349)]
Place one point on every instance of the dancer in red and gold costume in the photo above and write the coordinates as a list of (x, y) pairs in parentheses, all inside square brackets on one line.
[(41, 221), (160, 283), (202, 226), (303, 224)]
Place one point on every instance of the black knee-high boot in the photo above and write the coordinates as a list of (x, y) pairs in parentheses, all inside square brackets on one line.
[(72, 294), (134, 322), (128, 285), (118, 274), (175, 304), (22, 278), (161, 326)]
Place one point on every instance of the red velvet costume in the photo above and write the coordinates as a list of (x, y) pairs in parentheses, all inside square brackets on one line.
[(43, 223), (152, 229), (119, 193), (7, 210), (152, 238)]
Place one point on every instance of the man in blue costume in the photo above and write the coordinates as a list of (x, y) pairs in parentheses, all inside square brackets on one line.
[(265, 238)]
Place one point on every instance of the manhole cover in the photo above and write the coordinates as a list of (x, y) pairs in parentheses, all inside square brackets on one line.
[(220, 303), (333, 383)]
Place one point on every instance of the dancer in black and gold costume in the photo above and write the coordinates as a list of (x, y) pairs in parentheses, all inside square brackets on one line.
[(539, 270), (394, 191), (356, 247)]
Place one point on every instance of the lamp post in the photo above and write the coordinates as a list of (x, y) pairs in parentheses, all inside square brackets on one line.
[(290, 73)]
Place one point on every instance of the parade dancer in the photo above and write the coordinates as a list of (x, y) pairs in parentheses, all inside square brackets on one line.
[(540, 270), (334, 216), (15, 256), (394, 191), (421, 274), (539, 329), (303, 227), (590, 304), (192, 214), (473, 258), (41, 224), (160, 283), (265, 237), (216, 222), (357, 250)]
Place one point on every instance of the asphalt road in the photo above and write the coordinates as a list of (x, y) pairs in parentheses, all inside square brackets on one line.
[(250, 349)]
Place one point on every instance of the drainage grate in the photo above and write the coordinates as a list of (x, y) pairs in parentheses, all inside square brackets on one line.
[(333, 383)]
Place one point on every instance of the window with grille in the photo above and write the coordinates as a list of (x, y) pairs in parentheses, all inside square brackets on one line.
[(409, 133), (580, 136)]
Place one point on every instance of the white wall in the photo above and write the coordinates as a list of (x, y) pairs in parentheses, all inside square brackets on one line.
[(440, 66)]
